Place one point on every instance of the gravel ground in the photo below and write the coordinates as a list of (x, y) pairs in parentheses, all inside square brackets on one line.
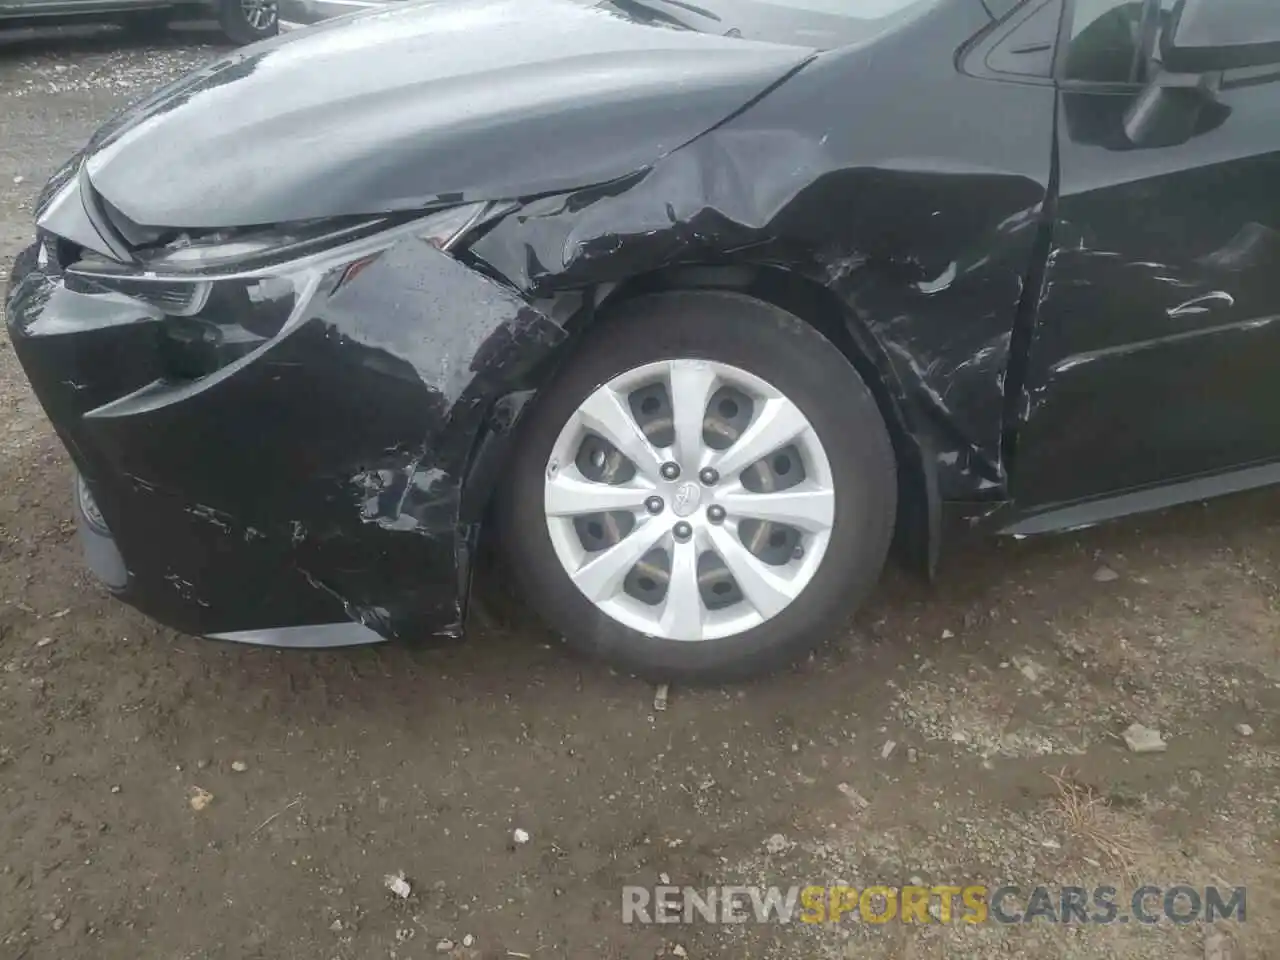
[(162, 796)]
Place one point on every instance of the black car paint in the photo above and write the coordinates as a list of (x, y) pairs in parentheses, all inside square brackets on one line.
[(1193, 279), (881, 231), (943, 224), (487, 99), (360, 522), (806, 25)]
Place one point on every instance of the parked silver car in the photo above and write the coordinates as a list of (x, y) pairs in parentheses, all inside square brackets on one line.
[(243, 21)]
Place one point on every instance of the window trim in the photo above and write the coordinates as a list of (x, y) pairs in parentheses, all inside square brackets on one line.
[(971, 59)]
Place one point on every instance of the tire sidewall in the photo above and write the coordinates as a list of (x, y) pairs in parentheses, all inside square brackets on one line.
[(792, 357)]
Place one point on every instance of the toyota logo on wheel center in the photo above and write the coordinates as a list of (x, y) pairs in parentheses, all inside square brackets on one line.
[(686, 499)]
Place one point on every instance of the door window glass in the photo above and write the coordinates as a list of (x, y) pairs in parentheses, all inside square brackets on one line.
[(1104, 43), (1110, 40)]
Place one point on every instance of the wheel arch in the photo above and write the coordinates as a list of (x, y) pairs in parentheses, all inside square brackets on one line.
[(917, 532)]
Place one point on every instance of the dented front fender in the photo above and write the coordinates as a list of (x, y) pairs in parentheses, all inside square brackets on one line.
[(925, 255)]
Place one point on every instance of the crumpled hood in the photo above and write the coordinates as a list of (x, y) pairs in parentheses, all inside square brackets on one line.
[(443, 100)]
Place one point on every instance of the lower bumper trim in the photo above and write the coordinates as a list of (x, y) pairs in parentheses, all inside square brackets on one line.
[(319, 636)]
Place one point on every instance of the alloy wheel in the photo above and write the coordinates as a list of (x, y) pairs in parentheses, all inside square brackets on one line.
[(689, 500), (259, 14)]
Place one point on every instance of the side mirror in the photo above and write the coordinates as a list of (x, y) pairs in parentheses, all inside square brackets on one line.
[(1206, 36), (1173, 109)]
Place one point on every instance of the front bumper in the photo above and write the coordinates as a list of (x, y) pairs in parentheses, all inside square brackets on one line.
[(308, 494), (102, 557)]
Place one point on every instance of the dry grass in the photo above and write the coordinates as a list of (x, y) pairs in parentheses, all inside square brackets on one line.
[(1088, 819)]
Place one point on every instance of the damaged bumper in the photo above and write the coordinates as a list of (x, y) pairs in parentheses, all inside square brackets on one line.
[(283, 458), (103, 559)]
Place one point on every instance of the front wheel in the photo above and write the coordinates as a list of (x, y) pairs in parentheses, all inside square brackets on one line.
[(704, 491), (244, 21)]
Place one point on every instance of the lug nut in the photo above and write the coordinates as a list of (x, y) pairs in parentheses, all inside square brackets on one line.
[(682, 531), (709, 477), (715, 513), (670, 470), (654, 505)]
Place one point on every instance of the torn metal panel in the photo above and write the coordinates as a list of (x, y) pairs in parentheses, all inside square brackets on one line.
[(926, 253)]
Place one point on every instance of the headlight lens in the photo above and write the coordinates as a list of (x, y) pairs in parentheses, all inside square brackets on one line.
[(257, 251), (178, 278), (218, 250), (227, 294)]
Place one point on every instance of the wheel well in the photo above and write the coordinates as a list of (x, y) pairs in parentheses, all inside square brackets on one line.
[(917, 525), (916, 534)]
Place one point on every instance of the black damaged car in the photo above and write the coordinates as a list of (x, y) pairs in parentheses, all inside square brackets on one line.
[(702, 305)]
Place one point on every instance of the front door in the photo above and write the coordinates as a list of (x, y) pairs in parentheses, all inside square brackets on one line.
[(1156, 355)]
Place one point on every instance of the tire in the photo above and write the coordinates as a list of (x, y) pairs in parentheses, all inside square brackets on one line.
[(791, 357), (238, 26)]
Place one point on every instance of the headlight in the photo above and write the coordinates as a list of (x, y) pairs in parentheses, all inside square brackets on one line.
[(228, 293), (179, 277), (222, 250), (255, 251), (240, 250)]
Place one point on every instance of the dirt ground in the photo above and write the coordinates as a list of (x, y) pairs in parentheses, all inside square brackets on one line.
[(324, 772)]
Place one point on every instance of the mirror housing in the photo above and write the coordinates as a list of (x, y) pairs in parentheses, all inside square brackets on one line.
[(1171, 109), (1207, 36)]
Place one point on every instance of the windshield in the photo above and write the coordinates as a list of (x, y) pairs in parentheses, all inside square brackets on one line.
[(822, 24)]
